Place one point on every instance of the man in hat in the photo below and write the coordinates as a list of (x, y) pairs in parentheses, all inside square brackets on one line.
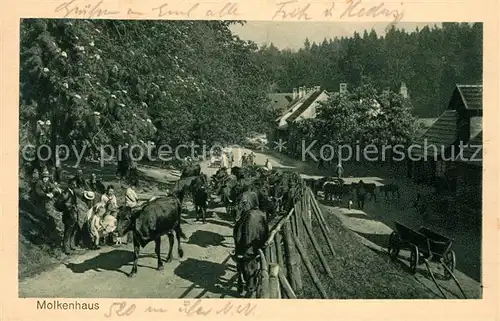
[(95, 185), (43, 191), (69, 216), (80, 182)]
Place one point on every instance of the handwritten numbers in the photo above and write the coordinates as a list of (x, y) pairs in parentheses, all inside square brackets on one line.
[(120, 309)]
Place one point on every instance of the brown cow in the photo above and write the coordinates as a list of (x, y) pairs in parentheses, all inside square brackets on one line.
[(250, 234), (157, 218)]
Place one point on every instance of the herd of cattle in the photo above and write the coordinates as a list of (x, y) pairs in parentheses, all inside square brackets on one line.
[(253, 196)]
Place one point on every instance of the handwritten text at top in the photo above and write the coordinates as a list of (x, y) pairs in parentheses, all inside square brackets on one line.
[(302, 11), (82, 9)]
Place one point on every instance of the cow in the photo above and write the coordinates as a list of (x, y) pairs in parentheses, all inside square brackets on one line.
[(225, 193), (392, 189), (199, 190), (191, 170), (250, 233), (248, 200), (371, 190), (149, 223), (182, 187)]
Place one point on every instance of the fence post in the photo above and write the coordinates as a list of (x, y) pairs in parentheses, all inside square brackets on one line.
[(309, 196), (279, 251), (323, 228), (274, 284), (264, 282), (293, 267), (319, 214), (310, 269), (316, 247), (286, 286)]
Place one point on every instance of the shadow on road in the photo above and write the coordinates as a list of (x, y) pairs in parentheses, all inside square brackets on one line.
[(109, 261), (206, 275), (220, 223), (206, 239)]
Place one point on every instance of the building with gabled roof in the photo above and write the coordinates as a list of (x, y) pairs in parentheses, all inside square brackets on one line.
[(460, 124)]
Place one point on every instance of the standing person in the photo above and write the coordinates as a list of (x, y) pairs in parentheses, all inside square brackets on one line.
[(224, 161), (244, 160), (109, 198), (251, 159), (131, 201), (361, 194), (339, 170), (95, 185), (69, 216), (268, 165), (78, 178), (95, 216), (43, 196)]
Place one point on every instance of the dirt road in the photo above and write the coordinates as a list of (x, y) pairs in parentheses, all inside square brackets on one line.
[(206, 271)]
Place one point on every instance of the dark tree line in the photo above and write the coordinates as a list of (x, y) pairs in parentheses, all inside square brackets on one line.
[(430, 61)]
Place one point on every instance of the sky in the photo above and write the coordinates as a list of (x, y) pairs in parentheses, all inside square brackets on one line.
[(293, 34)]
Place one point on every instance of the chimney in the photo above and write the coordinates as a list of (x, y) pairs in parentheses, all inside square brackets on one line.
[(301, 92), (343, 88), (317, 88), (295, 94)]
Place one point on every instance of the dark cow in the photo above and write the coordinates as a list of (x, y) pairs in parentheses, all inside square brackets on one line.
[(392, 189), (191, 170), (182, 187), (371, 189), (250, 234), (157, 218), (225, 193), (199, 190), (247, 201)]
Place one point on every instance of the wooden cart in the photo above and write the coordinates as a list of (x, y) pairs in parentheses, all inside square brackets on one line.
[(425, 246)]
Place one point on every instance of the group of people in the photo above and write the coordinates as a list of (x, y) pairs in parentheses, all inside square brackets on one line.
[(248, 160), (88, 209)]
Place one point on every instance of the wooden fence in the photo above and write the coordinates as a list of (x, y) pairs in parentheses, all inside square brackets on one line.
[(284, 255)]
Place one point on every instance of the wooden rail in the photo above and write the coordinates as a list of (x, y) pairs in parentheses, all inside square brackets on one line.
[(285, 255)]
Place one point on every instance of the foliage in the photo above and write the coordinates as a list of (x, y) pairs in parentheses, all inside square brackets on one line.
[(430, 61), (166, 81)]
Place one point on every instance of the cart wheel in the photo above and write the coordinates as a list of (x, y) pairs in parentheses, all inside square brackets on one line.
[(450, 261), (414, 258), (393, 245)]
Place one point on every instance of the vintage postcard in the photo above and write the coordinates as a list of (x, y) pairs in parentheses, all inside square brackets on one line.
[(205, 159)]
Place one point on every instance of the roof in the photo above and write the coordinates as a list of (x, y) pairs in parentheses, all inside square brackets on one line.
[(279, 101), (442, 133), (309, 100), (471, 96), (293, 106), (472, 153)]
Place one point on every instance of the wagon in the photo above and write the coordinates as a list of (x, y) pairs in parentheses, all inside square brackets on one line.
[(425, 246)]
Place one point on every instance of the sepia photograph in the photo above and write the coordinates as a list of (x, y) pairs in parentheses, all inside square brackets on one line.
[(250, 159)]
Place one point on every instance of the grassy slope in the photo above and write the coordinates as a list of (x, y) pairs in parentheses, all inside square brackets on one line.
[(358, 271)]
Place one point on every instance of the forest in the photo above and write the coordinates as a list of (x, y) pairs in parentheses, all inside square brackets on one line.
[(430, 61), (174, 82)]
